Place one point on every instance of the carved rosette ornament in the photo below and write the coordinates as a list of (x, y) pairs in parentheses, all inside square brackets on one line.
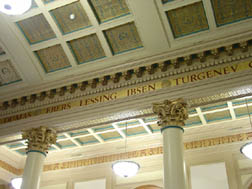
[(171, 113), (39, 139)]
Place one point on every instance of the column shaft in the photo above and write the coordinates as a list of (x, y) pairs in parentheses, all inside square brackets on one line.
[(39, 141), (174, 165), (33, 169), (172, 115)]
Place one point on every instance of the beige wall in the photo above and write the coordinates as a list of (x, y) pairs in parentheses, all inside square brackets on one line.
[(5, 187)]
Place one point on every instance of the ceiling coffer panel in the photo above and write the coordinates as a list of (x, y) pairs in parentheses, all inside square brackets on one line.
[(106, 10), (187, 20), (8, 74), (87, 140), (166, 1), (48, 1), (123, 38), (229, 11), (86, 49), (53, 58), (71, 17), (36, 29)]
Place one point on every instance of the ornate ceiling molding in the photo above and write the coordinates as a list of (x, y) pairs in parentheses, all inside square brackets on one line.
[(156, 71)]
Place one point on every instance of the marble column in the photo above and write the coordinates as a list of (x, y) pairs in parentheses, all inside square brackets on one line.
[(172, 115), (39, 141)]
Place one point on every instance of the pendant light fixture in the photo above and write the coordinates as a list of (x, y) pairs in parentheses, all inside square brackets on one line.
[(16, 183), (15, 7), (125, 168), (247, 148)]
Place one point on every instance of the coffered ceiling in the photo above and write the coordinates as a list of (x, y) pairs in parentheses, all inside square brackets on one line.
[(199, 118), (63, 41)]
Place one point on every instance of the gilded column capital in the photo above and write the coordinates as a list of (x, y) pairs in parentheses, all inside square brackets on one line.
[(171, 113), (40, 139)]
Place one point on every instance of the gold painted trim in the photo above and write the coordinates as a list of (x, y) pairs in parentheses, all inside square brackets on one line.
[(148, 152), (123, 93), (127, 74), (10, 168), (135, 154)]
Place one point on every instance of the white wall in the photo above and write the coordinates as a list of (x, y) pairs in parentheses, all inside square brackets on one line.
[(99, 184), (209, 176), (58, 186)]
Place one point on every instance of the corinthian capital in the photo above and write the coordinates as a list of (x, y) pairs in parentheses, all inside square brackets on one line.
[(40, 139), (171, 113)]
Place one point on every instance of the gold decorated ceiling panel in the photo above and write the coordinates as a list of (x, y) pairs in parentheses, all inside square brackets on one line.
[(229, 11), (154, 127), (8, 73), (216, 106), (53, 58), (135, 131), (110, 136), (65, 144), (192, 121), (104, 128), (36, 29), (243, 111), (79, 133), (188, 19), (218, 116), (87, 48), (106, 10), (71, 17), (123, 38), (87, 140)]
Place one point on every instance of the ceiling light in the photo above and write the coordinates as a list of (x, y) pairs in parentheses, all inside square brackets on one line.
[(15, 7), (72, 16), (247, 148), (16, 183), (126, 168)]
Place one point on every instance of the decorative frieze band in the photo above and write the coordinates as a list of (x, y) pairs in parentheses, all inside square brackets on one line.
[(123, 93), (10, 168), (170, 67), (136, 154)]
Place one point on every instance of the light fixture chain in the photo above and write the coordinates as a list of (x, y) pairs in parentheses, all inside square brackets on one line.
[(249, 113), (126, 133)]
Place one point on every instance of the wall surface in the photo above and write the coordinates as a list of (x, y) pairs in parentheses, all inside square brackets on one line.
[(209, 176)]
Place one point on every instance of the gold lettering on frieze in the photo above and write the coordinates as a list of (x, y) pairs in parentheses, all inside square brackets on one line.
[(155, 86)]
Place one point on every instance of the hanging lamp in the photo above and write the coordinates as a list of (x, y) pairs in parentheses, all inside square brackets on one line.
[(16, 183), (125, 168), (246, 149), (15, 7)]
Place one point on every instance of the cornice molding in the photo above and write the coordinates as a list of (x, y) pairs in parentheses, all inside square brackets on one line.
[(156, 71)]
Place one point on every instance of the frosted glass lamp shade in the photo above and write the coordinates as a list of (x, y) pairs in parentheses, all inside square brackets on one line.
[(126, 168), (247, 150), (15, 7), (16, 183)]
